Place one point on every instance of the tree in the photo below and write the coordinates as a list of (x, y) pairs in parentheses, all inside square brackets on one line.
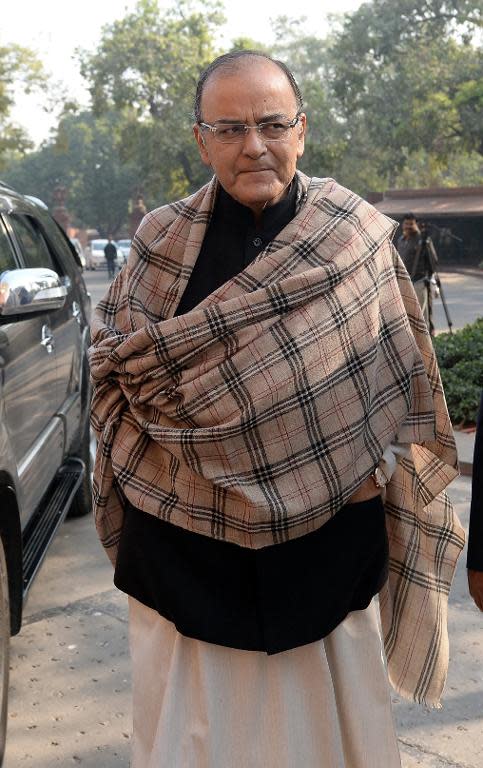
[(393, 96), (422, 169), (104, 183), (19, 68), (146, 67), (84, 157), (307, 57), (407, 77)]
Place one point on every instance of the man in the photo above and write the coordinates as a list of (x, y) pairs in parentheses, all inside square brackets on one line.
[(110, 253), (475, 554), (256, 378), (417, 252)]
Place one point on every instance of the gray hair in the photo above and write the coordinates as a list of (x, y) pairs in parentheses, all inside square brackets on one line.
[(229, 61)]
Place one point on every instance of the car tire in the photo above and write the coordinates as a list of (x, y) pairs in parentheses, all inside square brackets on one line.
[(82, 504), (4, 649)]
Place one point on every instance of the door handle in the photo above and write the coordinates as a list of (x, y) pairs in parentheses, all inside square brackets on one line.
[(76, 312), (47, 340)]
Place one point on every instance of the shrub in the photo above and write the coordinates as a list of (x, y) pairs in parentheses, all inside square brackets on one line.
[(460, 357)]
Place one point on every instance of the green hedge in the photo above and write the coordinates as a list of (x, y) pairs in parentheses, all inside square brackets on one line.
[(460, 357)]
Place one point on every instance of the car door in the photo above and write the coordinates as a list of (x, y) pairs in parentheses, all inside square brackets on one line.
[(65, 325), (68, 326), (29, 381)]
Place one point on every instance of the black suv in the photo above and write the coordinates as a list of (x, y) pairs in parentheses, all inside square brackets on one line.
[(45, 469)]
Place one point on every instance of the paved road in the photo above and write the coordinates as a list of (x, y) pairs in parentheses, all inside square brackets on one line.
[(70, 700), (464, 300), (97, 284), (69, 685)]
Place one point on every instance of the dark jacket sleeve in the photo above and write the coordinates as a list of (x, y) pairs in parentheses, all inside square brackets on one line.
[(475, 537)]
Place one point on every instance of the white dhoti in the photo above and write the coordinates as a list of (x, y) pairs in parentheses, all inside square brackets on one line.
[(199, 705)]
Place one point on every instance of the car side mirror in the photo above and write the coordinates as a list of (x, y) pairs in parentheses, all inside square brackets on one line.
[(27, 291)]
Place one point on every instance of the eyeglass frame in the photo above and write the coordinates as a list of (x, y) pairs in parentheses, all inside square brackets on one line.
[(213, 128)]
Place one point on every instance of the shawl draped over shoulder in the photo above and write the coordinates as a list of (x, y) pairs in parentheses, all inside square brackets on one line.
[(255, 416)]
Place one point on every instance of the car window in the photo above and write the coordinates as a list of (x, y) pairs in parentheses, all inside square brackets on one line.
[(7, 256), (59, 243), (35, 250)]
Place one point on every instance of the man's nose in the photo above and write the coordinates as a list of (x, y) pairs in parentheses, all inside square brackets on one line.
[(253, 144)]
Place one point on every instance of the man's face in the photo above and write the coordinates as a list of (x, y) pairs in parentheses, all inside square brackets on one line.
[(409, 227), (254, 172)]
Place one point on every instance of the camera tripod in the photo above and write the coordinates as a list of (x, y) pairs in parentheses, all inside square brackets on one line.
[(427, 252)]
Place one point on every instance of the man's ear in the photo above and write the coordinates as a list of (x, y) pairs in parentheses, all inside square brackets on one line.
[(302, 127), (200, 140)]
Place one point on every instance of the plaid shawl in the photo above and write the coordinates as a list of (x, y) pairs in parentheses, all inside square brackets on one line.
[(255, 416)]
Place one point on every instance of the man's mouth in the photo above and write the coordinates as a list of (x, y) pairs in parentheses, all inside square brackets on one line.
[(255, 170)]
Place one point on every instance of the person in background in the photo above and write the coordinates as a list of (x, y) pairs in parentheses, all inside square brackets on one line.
[(261, 373), (408, 245), (418, 255), (475, 538), (110, 253)]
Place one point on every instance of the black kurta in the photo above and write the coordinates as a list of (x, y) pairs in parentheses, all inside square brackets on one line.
[(277, 597), (475, 536)]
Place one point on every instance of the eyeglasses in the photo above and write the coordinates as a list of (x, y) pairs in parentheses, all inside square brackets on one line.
[(233, 133)]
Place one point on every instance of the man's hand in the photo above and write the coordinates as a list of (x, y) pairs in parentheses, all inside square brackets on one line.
[(368, 490), (475, 583)]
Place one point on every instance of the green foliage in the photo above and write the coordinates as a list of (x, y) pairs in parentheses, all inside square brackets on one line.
[(19, 68), (146, 68), (460, 357), (393, 96), (406, 78), (459, 169), (307, 57), (249, 44), (84, 157)]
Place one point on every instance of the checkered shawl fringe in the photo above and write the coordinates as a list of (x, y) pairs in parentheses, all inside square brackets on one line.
[(255, 416)]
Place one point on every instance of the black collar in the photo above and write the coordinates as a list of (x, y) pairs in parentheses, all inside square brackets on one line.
[(274, 217)]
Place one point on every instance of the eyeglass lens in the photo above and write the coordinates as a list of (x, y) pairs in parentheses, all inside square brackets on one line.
[(230, 133)]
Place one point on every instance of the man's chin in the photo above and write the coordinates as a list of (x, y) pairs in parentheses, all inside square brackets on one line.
[(264, 195)]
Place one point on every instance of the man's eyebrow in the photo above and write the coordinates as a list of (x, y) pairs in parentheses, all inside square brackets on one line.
[(274, 117), (265, 119)]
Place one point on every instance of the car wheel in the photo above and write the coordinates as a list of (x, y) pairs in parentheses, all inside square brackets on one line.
[(82, 503), (4, 648)]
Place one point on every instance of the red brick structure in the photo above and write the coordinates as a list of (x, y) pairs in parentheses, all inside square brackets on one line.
[(137, 213), (59, 210)]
